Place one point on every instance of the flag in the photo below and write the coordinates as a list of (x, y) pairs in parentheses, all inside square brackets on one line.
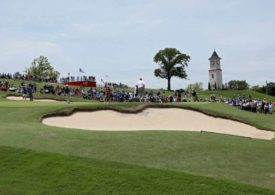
[(81, 71)]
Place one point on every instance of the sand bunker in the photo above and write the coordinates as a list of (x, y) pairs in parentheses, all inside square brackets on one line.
[(156, 119), (18, 98)]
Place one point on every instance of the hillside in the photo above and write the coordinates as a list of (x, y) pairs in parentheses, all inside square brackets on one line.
[(232, 93)]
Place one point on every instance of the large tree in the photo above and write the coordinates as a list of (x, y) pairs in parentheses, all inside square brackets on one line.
[(238, 85), (41, 68), (172, 63)]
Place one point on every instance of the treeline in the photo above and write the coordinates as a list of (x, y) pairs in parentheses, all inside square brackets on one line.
[(234, 85), (268, 89), (237, 85)]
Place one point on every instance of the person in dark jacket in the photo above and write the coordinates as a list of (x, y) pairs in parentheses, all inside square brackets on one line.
[(30, 92), (67, 93)]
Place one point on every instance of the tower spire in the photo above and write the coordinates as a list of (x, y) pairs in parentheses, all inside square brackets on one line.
[(214, 55), (215, 72)]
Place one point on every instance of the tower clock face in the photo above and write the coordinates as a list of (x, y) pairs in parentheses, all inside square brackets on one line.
[(212, 63)]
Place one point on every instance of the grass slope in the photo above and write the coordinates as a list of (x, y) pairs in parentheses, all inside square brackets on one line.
[(236, 93), (226, 157), (28, 172)]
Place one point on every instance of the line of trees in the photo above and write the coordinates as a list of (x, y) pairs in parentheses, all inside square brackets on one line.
[(237, 85), (233, 85), (268, 89)]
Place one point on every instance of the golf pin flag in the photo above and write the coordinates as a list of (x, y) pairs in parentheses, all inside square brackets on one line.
[(80, 70)]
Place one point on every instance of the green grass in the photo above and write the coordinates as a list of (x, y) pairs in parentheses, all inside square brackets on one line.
[(206, 162), (236, 93), (29, 172), (260, 121)]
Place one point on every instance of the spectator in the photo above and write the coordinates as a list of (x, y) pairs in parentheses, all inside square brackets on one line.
[(24, 92), (194, 96), (67, 93), (270, 107), (140, 88), (30, 92)]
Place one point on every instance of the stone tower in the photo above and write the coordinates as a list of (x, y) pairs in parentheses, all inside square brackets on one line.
[(215, 72)]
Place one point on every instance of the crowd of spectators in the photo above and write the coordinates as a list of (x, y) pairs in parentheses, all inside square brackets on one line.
[(114, 93), (253, 105), (78, 78), (4, 85), (18, 76), (108, 94), (121, 96)]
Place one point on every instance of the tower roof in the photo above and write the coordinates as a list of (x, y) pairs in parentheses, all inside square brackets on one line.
[(214, 55)]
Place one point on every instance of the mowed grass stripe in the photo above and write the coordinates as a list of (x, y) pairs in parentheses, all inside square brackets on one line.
[(29, 172)]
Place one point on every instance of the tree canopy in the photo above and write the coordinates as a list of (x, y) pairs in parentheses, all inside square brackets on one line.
[(172, 64), (41, 69), (238, 85), (269, 88), (198, 86)]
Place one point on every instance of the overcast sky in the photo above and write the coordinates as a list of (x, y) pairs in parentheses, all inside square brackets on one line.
[(119, 38)]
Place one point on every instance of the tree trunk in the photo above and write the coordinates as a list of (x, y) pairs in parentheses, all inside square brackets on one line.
[(169, 83)]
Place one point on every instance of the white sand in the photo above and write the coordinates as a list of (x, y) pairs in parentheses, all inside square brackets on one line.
[(17, 98), (156, 119)]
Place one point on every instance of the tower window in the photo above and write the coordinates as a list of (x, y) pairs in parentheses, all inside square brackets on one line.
[(212, 76)]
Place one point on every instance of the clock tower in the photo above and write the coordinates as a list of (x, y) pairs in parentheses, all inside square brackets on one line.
[(215, 72)]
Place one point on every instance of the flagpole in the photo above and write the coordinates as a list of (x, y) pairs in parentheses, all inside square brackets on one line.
[(78, 75)]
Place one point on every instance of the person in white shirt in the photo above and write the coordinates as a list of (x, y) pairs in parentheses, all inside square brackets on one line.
[(141, 87)]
